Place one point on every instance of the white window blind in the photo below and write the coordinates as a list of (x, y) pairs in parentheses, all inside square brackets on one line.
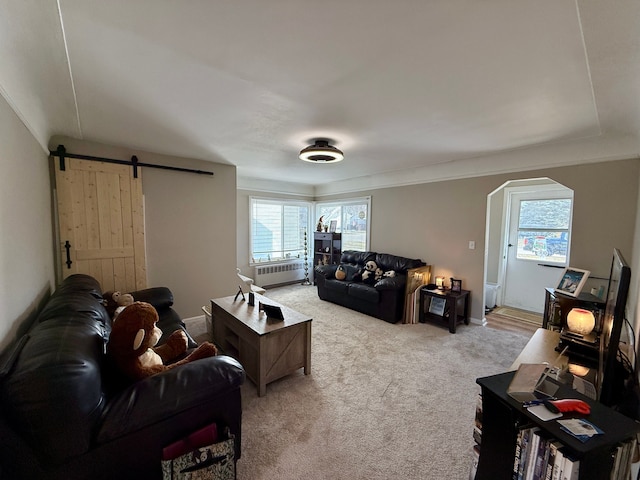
[(277, 229)]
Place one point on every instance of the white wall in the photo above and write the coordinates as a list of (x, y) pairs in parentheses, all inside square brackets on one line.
[(26, 240)]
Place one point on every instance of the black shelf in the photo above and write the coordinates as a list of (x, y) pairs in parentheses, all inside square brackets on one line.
[(327, 248), (502, 417)]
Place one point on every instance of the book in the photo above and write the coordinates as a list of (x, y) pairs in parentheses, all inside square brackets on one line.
[(532, 454), (554, 446), (516, 458), (570, 468), (558, 463), (524, 449), (540, 456)]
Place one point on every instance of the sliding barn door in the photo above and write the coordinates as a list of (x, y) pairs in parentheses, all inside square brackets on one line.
[(101, 223)]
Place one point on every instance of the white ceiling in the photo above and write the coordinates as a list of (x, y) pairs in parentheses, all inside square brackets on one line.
[(410, 90)]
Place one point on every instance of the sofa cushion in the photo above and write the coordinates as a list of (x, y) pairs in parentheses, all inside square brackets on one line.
[(364, 292), (337, 285)]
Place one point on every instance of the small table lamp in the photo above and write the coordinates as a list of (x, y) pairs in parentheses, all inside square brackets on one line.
[(440, 283), (581, 321)]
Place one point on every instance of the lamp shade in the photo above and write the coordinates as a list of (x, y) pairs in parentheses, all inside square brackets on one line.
[(440, 283), (581, 321), (321, 152)]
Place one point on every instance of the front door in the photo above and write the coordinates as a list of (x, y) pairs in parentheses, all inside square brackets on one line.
[(537, 245), (101, 223)]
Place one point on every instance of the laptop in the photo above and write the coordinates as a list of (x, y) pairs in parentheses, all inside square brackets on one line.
[(530, 383)]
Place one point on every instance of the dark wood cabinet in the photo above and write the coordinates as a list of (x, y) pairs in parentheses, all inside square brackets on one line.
[(327, 248), (503, 417), (444, 306), (554, 317)]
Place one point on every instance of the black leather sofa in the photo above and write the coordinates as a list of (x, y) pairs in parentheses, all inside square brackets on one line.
[(384, 299), (66, 414)]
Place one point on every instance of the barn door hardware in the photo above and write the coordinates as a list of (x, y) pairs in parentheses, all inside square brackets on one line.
[(61, 153), (67, 247)]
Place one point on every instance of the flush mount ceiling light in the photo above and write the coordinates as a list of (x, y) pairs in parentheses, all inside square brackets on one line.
[(321, 152)]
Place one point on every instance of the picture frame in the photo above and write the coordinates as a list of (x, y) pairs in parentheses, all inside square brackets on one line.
[(456, 285), (332, 226), (572, 281), (436, 306)]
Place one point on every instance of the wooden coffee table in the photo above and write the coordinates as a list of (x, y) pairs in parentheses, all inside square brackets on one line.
[(268, 349)]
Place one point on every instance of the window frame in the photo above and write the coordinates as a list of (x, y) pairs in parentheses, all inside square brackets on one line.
[(281, 202), (342, 202)]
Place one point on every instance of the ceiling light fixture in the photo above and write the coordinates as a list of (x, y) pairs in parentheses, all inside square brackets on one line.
[(321, 152)]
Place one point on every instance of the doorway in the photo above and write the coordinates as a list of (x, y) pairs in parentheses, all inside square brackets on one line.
[(528, 241)]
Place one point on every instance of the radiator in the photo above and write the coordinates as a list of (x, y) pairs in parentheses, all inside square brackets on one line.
[(278, 273)]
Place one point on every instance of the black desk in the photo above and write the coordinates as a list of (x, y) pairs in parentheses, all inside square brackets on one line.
[(502, 417)]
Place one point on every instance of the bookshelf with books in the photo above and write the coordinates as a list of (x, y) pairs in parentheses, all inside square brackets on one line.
[(517, 444)]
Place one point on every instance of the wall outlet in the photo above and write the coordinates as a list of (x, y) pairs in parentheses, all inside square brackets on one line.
[(472, 245)]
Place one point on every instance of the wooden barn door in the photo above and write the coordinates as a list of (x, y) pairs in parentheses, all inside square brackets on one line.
[(101, 223)]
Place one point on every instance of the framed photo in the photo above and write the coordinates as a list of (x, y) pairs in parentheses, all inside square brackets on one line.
[(456, 285), (332, 226), (572, 281), (436, 306)]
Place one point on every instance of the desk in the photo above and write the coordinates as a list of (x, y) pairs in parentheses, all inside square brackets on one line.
[(540, 349)]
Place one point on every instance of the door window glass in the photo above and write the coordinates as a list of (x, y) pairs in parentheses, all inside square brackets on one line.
[(543, 230)]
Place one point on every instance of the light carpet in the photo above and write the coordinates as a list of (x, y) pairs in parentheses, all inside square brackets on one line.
[(382, 400)]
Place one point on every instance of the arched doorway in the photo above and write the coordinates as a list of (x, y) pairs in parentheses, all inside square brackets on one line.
[(527, 241)]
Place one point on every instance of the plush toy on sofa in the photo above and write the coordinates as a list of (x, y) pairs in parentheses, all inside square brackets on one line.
[(368, 275), (135, 334), (115, 302), (378, 274)]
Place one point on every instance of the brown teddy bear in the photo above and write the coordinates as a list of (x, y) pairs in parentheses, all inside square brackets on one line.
[(114, 302), (133, 337)]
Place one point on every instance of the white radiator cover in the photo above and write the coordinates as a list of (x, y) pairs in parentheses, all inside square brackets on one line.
[(278, 273)]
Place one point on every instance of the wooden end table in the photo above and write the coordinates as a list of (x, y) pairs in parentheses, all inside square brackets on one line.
[(444, 305), (268, 349)]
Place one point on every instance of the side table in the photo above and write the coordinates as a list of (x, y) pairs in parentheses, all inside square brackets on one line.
[(444, 305)]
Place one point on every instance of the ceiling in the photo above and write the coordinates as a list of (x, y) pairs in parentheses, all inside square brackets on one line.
[(410, 90)]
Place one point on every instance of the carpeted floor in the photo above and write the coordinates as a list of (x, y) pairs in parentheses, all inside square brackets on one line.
[(382, 401)]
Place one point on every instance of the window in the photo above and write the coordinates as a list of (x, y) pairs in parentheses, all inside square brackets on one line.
[(352, 217), (277, 229), (543, 230)]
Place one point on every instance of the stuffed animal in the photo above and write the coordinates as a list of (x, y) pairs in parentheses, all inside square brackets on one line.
[(378, 274), (389, 273), (368, 275), (341, 273), (135, 334), (115, 302)]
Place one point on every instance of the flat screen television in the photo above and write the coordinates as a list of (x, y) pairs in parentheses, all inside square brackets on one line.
[(611, 371)]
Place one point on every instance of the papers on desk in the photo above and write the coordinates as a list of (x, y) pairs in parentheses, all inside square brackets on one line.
[(580, 428)]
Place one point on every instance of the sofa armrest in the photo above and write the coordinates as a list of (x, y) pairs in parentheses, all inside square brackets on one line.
[(327, 271), (391, 283), (159, 297), (169, 393)]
